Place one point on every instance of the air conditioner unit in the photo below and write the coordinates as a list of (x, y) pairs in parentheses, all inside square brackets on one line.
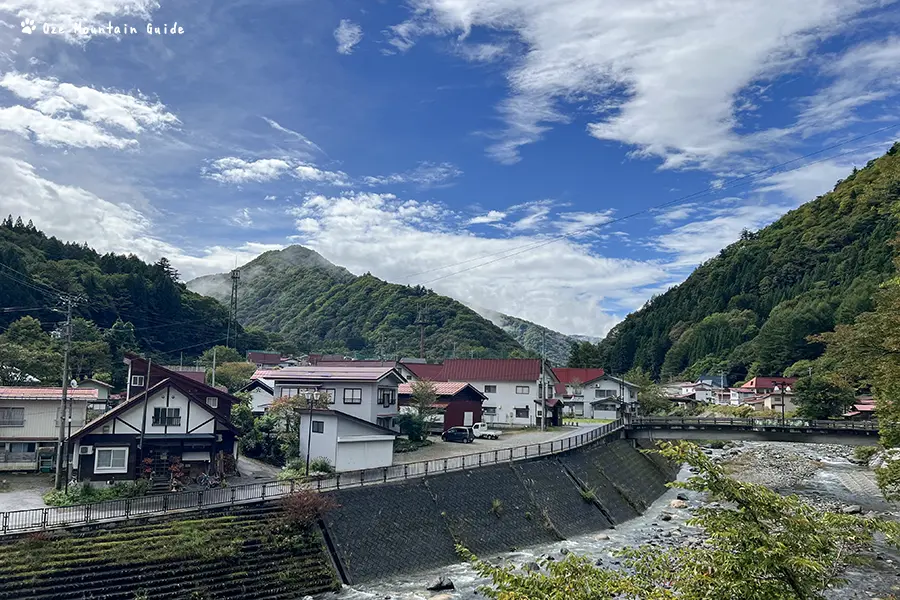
[(83, 450)]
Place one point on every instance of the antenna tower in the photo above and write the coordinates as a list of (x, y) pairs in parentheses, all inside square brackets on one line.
[(232, 318)]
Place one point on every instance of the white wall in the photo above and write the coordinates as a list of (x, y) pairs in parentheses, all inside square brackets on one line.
[(195, 422), (41, 419), (506, 400), (368, 410), (347, 445), (260, 399)]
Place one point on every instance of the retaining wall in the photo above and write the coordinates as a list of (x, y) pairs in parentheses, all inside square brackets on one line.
[(588, 467)]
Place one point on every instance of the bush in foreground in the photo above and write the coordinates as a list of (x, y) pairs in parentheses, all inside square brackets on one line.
[(85, 493), (760, 546)]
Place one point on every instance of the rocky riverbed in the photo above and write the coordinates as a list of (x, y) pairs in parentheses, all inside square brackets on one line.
[(822, 474)]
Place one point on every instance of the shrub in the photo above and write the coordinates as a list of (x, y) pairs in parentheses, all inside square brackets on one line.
[(86, 493), (402, 445), (864, 453), (588, 495), (321, 465), (304, 507), (496, 507)]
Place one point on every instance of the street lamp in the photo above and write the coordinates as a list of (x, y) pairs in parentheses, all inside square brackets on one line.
[(782, 391), (310, 396)]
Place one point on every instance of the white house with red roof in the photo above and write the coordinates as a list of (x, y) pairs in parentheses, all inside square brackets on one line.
[(594, 394), (29, 424), (513, 387)]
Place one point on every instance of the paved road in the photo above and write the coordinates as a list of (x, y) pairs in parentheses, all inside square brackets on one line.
[(508, 439), (23, 491)]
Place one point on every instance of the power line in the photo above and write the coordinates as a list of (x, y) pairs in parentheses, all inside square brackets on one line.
[(711, 189)]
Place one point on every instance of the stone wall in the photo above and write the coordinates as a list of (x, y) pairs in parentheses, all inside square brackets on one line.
[(588, 467)]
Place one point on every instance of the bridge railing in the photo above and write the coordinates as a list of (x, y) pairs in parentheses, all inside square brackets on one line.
[(39, 519), (767, 423)]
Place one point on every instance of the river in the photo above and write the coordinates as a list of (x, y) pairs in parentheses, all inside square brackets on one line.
[(822, 474)]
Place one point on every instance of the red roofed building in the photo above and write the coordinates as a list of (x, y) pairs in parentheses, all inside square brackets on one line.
[(512, 386), (863, 409), (765, 385), (459, 402), (29, 424)]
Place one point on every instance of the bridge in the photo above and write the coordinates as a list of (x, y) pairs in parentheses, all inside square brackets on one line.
[(850, 433)]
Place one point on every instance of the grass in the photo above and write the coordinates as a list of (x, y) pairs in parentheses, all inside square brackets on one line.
[(496, 507), (864, 453), (402, 445), (588, 495)]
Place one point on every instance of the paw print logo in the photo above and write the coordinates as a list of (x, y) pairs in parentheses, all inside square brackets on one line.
[(28, 26)]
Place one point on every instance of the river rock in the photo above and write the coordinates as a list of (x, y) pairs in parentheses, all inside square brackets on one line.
[(564, 551), (853, 509), (601, 537), (665, 517), (678, 504), (532, 566), (682, 496), (440, 584)]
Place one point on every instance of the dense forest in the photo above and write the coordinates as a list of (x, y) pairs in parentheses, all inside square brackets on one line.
[(322, 307), (751, 310), (123, 304)]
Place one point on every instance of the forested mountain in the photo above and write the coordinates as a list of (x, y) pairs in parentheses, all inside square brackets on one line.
[(750, 310), (322, 307), (124, 304), (533, 337)]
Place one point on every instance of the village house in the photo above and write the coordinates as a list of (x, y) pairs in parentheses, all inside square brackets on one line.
[(169, 417), (264, 359), (358, 427), (513, 387), (459, 403), (773, 401), (863, 409), (594, 394), (103, 392), (367, 393), (29, 424)]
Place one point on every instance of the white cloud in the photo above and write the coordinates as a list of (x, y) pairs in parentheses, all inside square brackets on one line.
[(492, 216), (483, 53), (293, 134), (242, 218), (347, 35), (237, 170), (567, 287), (672, 215), (864, 74), (308, 172), (578, 224), (426, 175), (63, 114), (75, 214), (670, 74)]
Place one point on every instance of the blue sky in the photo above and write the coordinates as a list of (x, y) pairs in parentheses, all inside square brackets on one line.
[(494, 150)]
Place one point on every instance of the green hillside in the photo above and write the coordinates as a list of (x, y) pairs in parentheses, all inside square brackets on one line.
[(322, 307), (750, 309), (533, 337)]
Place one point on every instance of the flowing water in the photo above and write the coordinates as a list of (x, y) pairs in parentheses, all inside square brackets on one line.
[(834, 480)]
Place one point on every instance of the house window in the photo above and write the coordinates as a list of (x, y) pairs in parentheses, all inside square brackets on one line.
[(318, 426), (578, 409), (490, 389), (489, 411), (604, 393), (523, 389), (212, 402), (386, 422), (289, 392), (352, 395), (332, 395), (137, 381), (522, 413), (12, 417), (163, 416), (111, 460), (16, 447), (387, 396)]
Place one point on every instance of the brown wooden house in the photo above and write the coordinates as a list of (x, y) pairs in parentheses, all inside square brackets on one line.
[(459, 402)]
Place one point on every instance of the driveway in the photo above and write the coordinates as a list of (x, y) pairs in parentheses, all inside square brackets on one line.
[(508, 439), (252, 471), (23, 492)]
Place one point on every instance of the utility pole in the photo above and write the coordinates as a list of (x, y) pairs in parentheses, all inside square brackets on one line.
[(214, 367), (543, 387), (61, 439), (232, 317), (421, 322)]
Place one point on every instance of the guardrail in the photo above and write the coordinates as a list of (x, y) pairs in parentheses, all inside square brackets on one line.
[(40, 519), (768, 423)]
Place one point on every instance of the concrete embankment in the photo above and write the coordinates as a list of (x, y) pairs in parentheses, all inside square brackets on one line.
[(402, 528), (374, 533)]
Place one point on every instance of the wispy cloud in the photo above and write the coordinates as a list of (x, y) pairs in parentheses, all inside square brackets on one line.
[(293, 134), (426, 175), (492, 216), (237, 170), (347, 35)]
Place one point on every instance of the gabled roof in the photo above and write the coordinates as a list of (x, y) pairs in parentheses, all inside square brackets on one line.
[(491, 369), (343, 415), (551, 402), (135, 400), (443, 388), (44, 393), (327, 373), (568, 375), (97, 381), (769, 382), (426, 371), (257, 383)]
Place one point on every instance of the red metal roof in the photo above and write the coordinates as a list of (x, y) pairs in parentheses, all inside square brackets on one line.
[(864, 407), (426, 371), (551, 402), (561, 389), (491, 369), (323, 373), (443, 388), (568, 375), (44, 393), (769, 382)]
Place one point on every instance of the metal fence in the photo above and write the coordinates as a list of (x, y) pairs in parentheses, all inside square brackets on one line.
[(767, 423), (39, 519)]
